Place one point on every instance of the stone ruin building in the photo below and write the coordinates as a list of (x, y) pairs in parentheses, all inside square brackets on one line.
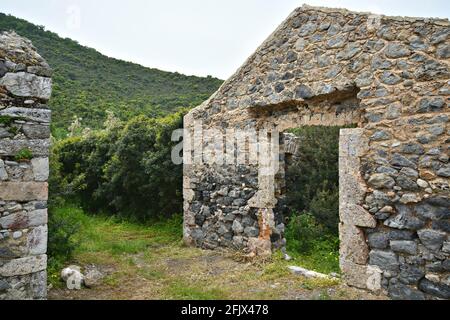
[(388, 76), (25, 87)]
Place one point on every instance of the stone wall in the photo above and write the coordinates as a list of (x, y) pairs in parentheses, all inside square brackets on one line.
[(25, 87), (387, 75)]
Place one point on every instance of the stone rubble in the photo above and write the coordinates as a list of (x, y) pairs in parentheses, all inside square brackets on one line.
[(75, 279)]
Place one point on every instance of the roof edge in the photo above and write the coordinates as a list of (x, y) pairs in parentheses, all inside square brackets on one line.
[(306, 7)]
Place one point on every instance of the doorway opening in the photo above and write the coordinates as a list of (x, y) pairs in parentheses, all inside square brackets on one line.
[(309, 199)]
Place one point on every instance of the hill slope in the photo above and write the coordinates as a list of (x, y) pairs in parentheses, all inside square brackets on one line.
[(87, 83)]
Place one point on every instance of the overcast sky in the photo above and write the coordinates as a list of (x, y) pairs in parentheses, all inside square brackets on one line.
[(201, 37)]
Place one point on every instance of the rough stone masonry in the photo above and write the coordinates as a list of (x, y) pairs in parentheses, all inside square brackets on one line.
[(25, 87), (389, 76)]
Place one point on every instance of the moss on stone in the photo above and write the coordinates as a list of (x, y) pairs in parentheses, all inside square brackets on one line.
[(6, 120), (23, 154)]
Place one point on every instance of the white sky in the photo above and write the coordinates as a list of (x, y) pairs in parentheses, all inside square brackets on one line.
[(201, 37)]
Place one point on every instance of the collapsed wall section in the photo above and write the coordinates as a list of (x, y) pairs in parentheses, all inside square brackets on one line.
[(25, 87)]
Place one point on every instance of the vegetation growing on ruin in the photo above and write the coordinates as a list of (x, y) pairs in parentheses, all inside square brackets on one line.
[(23, 155), (6, 120)]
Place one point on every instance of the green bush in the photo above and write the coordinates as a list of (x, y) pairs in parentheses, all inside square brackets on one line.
[(125, 169), (312, 179), (316, 168), (62, 227), (325, 208), (302, 230), (312, 244), (312, 198)]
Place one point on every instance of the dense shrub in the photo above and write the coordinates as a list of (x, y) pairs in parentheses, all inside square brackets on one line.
[(61, 240), (62, 227), (312, 199), (312, 180), (312, 244), (325, 208), (302, 230), (125, 169)]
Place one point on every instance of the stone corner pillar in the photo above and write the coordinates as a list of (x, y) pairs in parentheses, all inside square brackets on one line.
[(354, 251), (25, 88)]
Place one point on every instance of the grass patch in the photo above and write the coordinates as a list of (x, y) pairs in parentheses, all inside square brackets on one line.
[(6, 120), (277, 268), (109, 240), (116, 236), (182, 291), (23, 154), (150, 262), (152, 274), (311, 245), (321, 259)]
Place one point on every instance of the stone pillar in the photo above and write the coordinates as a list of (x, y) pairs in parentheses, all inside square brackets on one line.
[(354, 251), (25, 87), (265, 199)]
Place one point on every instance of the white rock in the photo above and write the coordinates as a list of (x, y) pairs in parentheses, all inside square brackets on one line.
[(307, 273), (422, 183), (17, 235), (69, 271), (432, 277), (287, 257), (75, 281)]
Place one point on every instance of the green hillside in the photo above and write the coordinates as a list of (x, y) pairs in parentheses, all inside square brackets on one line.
[(87, 83)]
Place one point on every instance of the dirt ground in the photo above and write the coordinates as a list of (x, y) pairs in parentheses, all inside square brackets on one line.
[(178, 272)]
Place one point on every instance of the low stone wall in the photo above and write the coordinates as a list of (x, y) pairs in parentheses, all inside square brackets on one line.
[(25, 87)]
